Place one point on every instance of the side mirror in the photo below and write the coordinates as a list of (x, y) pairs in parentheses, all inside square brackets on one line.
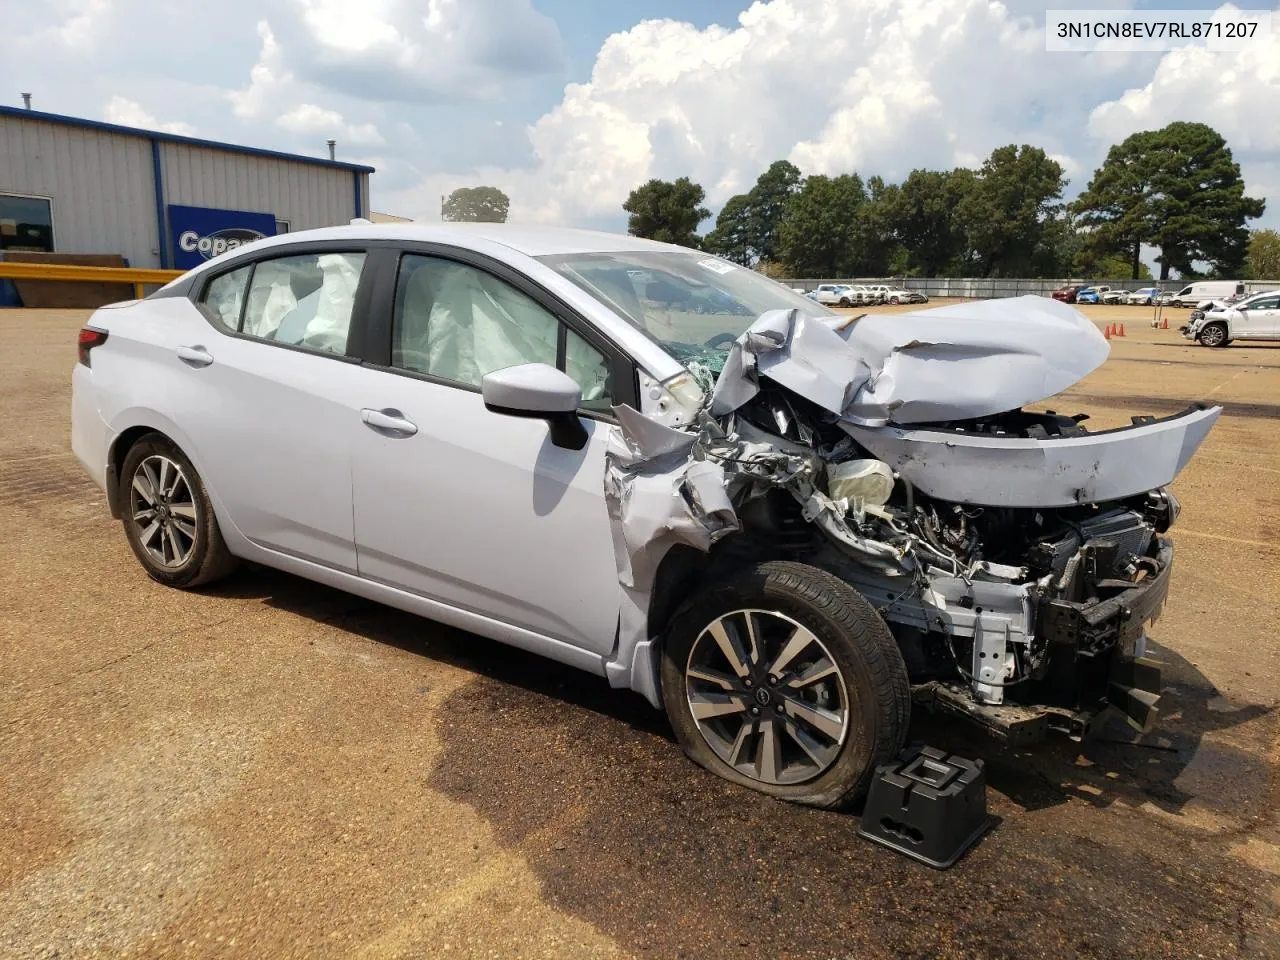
[(541, 392)]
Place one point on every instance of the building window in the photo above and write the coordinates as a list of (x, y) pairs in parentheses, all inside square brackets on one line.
[(26, 223), (282, 226)]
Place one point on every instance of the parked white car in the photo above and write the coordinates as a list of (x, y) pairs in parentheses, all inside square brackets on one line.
[(1254, 318), (835, 295), (1112, 295), (534, 435), (1145, 296), (899, 295)]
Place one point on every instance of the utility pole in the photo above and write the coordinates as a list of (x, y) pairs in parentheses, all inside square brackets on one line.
[(442, 206)]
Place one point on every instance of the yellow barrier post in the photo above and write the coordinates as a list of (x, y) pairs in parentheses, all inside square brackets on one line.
[(139, 277)]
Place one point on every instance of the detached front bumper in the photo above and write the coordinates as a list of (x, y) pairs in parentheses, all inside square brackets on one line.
[(1097, 666)]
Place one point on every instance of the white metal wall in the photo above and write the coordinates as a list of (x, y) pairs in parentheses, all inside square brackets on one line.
[(100, 184), (304, 194)]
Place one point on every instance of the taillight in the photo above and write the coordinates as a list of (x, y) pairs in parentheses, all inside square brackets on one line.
[(89, 338)]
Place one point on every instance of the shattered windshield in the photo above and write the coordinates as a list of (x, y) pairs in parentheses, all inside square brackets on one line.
[(693, 304)]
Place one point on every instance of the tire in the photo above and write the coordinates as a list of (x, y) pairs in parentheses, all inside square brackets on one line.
[(894, 300), (1213, 335), (186, 549), (856, 676), (844, 301)]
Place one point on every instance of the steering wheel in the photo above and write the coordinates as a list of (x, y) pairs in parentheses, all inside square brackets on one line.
[(720, 341)]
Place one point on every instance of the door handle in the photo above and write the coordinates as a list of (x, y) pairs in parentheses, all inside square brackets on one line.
[(388, 421), (196, 356)]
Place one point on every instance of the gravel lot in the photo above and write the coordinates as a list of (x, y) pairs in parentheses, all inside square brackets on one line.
[(272, 768)]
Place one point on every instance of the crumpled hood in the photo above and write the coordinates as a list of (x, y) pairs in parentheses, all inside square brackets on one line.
[(949, 363)]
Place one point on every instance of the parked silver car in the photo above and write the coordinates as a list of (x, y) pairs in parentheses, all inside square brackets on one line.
[(778, 523)]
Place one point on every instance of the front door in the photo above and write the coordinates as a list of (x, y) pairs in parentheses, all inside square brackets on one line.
[(1260, 319), (476, 509)]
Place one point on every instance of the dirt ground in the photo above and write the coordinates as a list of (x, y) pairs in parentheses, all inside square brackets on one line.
[(270, 768)]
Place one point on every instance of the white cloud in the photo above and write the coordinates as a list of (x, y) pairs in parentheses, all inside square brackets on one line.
[(78, 28), (394, 50), (307, 118), (130, 114), (878, 86), (1238, 94), (432, 90), (267, 79)]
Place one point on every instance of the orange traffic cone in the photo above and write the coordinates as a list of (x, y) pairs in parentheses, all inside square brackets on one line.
[(1121, 333), (1107, 333), (1164, 324)]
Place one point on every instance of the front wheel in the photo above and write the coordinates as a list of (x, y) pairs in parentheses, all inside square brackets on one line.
[(786, 680), (168, 517), (844, 301), (1213, 335)]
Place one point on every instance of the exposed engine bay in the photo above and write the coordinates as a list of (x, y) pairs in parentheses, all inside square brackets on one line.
[(1019, 601)]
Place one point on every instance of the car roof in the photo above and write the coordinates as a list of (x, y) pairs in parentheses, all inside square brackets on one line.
[(530, 239)]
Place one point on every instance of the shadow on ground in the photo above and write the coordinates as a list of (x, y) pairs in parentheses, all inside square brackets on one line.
[(670, 861)]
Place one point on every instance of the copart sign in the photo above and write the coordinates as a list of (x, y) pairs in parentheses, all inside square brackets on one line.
[(202, 233)]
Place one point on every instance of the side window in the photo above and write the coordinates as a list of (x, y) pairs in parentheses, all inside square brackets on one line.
[(458, 323), (223, 299), (304, 300)]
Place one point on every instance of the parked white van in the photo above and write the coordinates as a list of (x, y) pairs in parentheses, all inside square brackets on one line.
[(1201, 290)]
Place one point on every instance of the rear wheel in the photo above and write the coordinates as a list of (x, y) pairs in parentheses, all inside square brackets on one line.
[(784, 679), (168, 518)]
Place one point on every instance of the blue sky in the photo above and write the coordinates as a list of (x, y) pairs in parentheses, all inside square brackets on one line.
[(568, 104)]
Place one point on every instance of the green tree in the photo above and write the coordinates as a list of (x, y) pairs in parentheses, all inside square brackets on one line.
[(1088, 263), (816, 235), (874, 235), (1178, 189), (767, 205), (477, 205), (1005, 212), (1058, 248), (1264, 255), (747, 228), (667, 211), (925, 221), (731, 237)]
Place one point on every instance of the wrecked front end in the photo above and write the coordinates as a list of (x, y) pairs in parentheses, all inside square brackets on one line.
[(1016, 556)]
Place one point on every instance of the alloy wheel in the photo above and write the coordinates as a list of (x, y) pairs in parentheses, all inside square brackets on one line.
[(163, 509), (1211, 336), (767, 696)]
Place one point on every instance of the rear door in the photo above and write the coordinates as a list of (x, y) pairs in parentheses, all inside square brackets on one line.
[(272, 396), (477, 509)]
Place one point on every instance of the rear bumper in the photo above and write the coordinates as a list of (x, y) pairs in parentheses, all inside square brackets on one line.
[(90, 435)]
